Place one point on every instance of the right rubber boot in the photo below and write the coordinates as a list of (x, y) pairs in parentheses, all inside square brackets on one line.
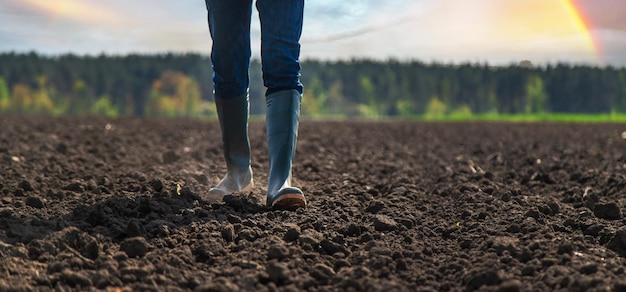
[(233, 118), (282, 119)]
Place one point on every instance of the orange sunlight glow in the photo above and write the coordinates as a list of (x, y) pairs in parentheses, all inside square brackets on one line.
[(76, 10), (534, 24)]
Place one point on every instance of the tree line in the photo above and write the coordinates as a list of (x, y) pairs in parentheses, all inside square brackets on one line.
[(179, 85)]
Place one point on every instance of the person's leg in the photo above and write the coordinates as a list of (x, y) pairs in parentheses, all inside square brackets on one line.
[(229, 24), (281, 27)]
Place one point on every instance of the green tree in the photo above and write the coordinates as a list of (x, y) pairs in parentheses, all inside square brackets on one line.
[(336, 102), (207, 109), (462, 111), (405, 107), (620, 103), (42, 101), (5, 98), (367, 92), (174, 95), (314, 98), (492, 101), (536, 96), (78, 102), (21, 99), (435, 108), (104, 107)]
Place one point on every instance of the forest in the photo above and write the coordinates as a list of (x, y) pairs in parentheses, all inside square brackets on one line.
[(179, 85)]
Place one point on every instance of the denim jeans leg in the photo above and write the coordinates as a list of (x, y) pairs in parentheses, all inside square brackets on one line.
[(229, 25), (281, 28)]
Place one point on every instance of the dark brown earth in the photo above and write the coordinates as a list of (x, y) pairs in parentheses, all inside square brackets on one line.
[(89, 204)]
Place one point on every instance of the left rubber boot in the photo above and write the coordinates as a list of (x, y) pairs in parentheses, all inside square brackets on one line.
[(233, 118), (282, 118)]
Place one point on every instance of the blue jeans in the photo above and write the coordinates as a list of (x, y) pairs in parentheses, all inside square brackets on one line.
[(281, 28)]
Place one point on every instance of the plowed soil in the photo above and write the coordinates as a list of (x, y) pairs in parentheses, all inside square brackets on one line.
[(97, 204)]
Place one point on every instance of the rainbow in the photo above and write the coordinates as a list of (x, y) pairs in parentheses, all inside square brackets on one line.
[(583, 26)]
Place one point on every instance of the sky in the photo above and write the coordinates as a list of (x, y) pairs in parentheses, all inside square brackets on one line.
[(445, 31)]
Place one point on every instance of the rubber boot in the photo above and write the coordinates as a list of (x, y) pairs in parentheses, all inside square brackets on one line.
[(233, 118), (282, 117)]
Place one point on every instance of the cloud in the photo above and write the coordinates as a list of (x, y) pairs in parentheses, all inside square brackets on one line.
[(82, 11), (327, 20), (459, 31), (88, 26)]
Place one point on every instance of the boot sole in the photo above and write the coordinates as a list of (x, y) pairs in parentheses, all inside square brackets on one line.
[(289, 202)]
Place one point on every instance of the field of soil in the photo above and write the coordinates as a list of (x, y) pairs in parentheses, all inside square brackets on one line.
[(117, 205)]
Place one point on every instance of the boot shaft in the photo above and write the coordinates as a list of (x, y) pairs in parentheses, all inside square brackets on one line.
[(233, 118)]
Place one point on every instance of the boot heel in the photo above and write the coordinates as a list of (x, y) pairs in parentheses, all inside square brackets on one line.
[(290, 200)]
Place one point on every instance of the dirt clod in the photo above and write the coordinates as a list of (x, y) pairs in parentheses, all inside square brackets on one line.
[(26, 186), (610, 211), (170, 157), (292, 233), (278, 252), (228, 233), (34, 202), (75, 279), (135, 247), (278, 273), (384, 223)]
